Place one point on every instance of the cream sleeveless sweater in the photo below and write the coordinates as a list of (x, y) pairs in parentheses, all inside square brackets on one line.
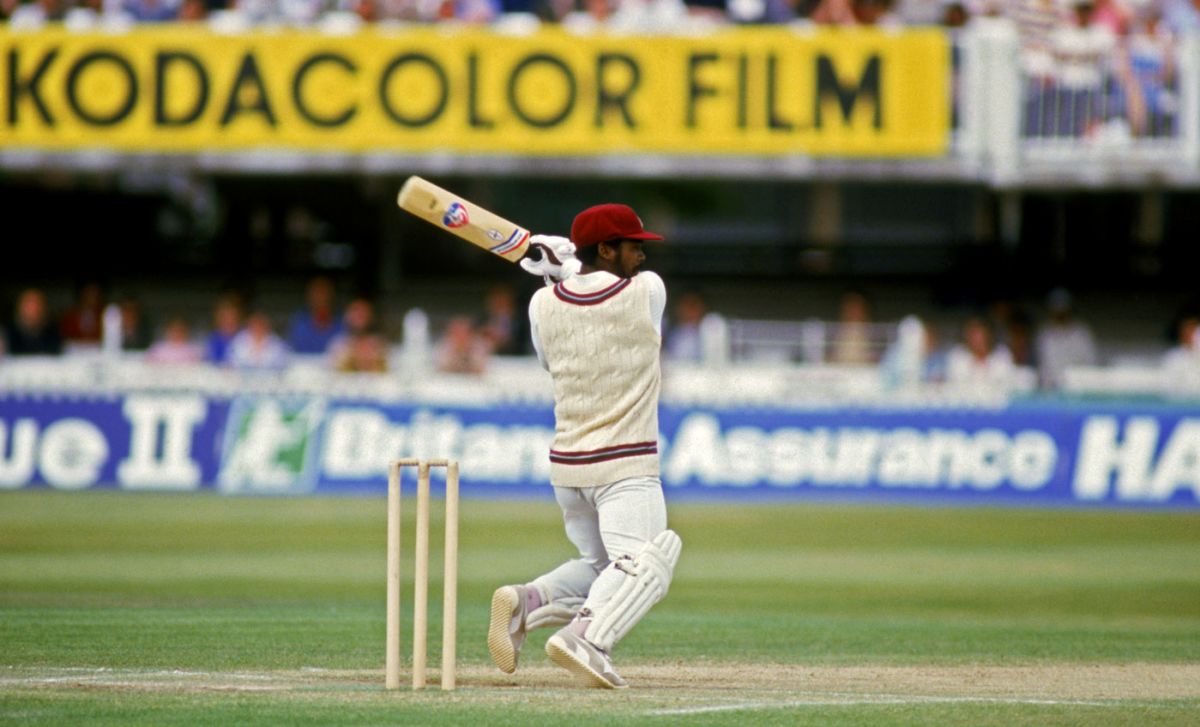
[(602, 350)]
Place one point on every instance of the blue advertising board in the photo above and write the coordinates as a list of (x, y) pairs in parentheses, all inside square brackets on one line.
[(1047, 453)]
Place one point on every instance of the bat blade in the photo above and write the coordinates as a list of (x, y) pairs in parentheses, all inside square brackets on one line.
[(467, 220)]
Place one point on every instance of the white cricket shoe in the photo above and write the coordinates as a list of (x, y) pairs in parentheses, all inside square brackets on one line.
[(506, 630), (585, 660)]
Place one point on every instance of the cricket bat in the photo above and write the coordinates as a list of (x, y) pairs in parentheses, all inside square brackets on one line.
[(467, 220)]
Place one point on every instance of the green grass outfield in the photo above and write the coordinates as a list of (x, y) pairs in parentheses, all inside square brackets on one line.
[(198, 609)]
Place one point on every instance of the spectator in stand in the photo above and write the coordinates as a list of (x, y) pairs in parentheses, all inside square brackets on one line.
[(1187, 337), (1181, 16), (584, 15), (934, 371), (1085, 90), (915, 357), (977, 360), (477, 12), (95, 7), (600, 10), (954, 15), (136, 330), (368, 11), (461, 350), (626, 15), (38, 12), (1183, 328), (920, 12), (176, 345), (314, 326), (1152, 70), (1019, 337), (500, 324), (1113, 15), (193, 11), (289, 12), (257, 347), (83, 322), (359, 347), (748, 12), (879, 13), (753, 12), (151, 11), (851, 343), (856, 12), (1181, 364), (361, 351), (833, 12), (31, 331), (1064, 341), (1006, 319), (683, 334), (412, 11), (1036, 21), (227, 321), (715, 9)]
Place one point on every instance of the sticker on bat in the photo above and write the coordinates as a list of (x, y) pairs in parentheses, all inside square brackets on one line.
[(495, 234), (456, 216)]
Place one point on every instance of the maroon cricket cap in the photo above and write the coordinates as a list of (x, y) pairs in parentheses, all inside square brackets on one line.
[(606, 223)]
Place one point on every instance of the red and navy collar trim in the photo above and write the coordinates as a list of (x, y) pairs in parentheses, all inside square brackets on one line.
[(637, 449), (599, 296)]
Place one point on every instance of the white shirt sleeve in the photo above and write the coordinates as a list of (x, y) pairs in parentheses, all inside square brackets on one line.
[(658, 299), (533, 332)]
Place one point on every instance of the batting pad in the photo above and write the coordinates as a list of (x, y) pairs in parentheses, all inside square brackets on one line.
[(648, 575)]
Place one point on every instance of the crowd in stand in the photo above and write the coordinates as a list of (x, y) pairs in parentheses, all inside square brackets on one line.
[(1105, 69), (988, 349), (1038, 20), (347, 338)]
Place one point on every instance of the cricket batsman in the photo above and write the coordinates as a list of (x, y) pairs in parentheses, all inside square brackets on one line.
[(597, 328)]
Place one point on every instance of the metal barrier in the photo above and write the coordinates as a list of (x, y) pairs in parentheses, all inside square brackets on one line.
[(810, 342)]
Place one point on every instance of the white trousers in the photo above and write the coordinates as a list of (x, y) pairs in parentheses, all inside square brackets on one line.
[(604, 523)]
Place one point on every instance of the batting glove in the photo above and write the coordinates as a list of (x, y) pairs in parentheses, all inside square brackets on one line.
[(557, 260)]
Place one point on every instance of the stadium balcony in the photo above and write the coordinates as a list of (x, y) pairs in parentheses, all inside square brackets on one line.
[(1109, 119)]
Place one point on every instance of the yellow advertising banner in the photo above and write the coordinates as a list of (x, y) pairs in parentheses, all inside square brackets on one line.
[(761, 91)]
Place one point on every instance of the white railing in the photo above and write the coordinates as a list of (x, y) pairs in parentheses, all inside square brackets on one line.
[(1034, 115), (809, 342), (514, 381)]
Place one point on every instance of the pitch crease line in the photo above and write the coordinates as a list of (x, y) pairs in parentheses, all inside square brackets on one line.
[(869, 699), (106, 675)]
